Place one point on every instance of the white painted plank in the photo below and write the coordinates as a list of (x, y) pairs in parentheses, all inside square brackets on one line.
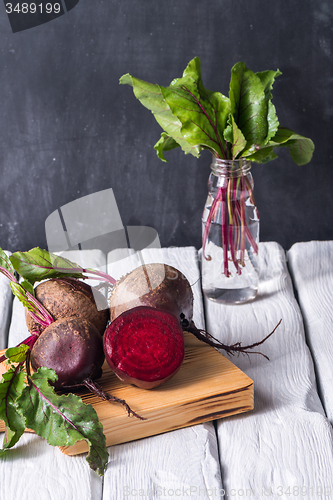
[(286, 442), (178, 464), (311, 265), (182, 463), (33, 469), (6, 298)]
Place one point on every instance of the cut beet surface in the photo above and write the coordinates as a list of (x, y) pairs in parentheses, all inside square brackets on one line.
[(144, 346)]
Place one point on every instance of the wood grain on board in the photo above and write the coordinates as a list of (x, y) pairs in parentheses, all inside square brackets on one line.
[(208, 386)]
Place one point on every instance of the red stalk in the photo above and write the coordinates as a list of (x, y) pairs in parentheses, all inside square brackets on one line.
[(98, 275), (243, 222), (224, 215), (233, 225), (235, 230), (248, 232)]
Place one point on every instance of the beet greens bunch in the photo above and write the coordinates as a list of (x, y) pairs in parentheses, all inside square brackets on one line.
[(243, 125)]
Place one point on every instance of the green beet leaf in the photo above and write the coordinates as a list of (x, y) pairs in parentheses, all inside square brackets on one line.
[(21, 293), (301, 148), (25, 293), (263, 155), (267, 78), (17, 354), (5, 263), (165, 143), (233, 135), (28, 287), (38, 264), (11, 387), (62, 419), (151, 96), (203, 113), (249, 106)]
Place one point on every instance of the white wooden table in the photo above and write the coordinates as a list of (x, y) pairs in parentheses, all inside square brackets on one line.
[(282, 449)]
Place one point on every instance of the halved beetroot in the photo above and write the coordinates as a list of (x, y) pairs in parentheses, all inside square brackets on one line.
[(144, 346)]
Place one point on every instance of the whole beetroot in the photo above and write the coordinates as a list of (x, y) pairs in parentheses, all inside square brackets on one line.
[(73, 348), (155, 285), (69, 297)]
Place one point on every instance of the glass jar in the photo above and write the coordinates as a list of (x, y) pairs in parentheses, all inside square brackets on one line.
[(230, 234)]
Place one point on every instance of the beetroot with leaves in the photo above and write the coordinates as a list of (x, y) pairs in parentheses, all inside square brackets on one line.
[(144, 346)]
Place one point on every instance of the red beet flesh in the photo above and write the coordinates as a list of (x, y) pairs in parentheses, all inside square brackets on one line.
[(144, 346), (73, 348)]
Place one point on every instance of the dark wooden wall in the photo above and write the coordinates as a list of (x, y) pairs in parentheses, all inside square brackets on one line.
[(68, 129)]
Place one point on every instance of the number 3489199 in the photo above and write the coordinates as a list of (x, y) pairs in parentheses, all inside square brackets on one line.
[(33, 8)]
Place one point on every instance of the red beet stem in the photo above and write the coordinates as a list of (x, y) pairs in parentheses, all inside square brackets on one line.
[(235, 230), (224, 215)]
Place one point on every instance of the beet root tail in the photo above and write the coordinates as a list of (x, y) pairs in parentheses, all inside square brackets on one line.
[(98, 391), (206, 337)]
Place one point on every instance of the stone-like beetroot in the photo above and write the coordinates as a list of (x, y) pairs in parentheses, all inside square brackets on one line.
[(73, 348), (154, 285), (68, 297)]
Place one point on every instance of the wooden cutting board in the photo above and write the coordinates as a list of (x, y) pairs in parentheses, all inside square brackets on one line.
[(208, 386)]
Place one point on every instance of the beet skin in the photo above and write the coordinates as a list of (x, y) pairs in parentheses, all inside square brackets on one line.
[(67, 297), (73, 348), (154, 285)]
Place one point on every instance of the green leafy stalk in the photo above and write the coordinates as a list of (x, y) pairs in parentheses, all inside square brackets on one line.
[(242, 125), (11, 387), (190, 115), (38, 264), (25, 293)]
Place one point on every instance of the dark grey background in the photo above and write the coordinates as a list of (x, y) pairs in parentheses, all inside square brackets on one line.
[(68, 129)]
